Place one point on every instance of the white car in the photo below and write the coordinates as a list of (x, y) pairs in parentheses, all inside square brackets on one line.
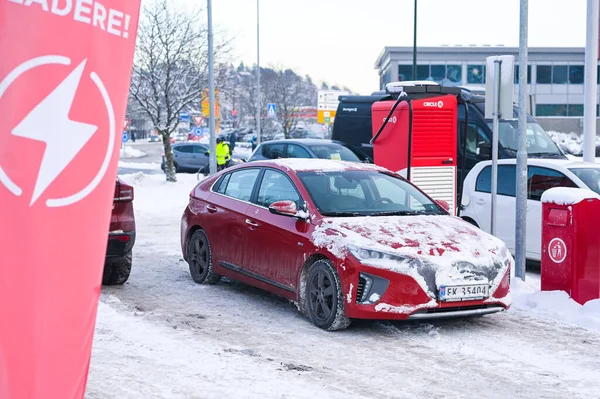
[(542, 175)]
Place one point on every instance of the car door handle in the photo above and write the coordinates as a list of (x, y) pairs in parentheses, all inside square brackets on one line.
[(251, 223), (481, 201), (211, 208)]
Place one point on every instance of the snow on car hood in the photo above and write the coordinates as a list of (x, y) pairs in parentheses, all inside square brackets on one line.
[(434, 250)]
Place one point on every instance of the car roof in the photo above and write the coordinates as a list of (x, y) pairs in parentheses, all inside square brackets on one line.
[(315, 165), (301, 141)]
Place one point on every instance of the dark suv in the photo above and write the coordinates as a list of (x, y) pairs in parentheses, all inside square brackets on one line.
[(307, 148), (121, 236)]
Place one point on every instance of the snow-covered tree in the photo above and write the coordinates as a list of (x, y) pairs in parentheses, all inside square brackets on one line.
[(170, 69)]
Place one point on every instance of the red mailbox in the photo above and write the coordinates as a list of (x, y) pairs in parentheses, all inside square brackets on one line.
[(571, 242)]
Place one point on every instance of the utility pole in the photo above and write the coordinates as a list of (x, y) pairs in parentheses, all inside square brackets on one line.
[(211, 94), (591, 88), (521, 177), (258, 110), (414, 73)]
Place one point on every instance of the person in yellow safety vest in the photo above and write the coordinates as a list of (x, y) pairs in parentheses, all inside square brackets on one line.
[(223, 155)]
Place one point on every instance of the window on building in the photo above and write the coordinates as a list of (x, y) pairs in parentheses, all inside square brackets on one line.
[(475, 74), (560, 74), (575, 110), (438, 72), (528, 74), (506, 180), (422, 72), (405, 72), (544, 74), (454, 74), (551, 110), (576, 74)]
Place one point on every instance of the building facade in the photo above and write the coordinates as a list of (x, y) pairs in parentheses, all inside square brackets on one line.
[(555, 75)]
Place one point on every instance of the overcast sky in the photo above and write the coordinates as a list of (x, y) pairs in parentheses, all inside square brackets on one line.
[(339, 40)]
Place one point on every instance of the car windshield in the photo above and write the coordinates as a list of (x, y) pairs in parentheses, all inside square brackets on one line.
[(538, 141), (590, 176), (365, 193), (334, 151)]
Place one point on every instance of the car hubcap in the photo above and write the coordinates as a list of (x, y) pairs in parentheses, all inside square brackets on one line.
[(321, 296), (200, 256)]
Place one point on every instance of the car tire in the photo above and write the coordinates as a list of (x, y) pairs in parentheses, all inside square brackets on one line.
[(324, 297), (199, 258), (116, 272)]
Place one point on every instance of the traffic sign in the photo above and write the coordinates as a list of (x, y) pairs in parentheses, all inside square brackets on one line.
[(125, 137), (198, 131), (198, 120), (126, 123), (271, 110), (325, 116), (184, 117)]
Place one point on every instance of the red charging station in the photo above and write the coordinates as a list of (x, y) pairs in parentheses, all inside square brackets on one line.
[(571, 243), (419, 141)]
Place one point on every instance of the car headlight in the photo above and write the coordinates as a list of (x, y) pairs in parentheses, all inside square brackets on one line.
[(364, 254), (506, 260)]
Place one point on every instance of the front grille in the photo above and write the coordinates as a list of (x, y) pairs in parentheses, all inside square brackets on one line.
[(360, 289), (456, 309)]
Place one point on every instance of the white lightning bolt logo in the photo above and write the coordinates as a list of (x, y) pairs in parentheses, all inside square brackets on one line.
[(49, 122)]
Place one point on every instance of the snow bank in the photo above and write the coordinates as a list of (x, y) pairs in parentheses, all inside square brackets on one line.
[(553, 304), (567, 195), (571, 143), (139, 165), (130, 152)]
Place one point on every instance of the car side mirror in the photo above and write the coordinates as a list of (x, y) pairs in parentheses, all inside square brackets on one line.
[(287, 208), (443, 204), (206, 153), (484, 149)]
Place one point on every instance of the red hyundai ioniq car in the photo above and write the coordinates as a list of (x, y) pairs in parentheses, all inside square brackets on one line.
[(343, 240)]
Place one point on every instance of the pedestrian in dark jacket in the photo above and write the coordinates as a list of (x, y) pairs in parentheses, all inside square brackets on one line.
[(231, 143)]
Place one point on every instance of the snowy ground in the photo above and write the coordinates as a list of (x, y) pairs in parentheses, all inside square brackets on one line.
[(163, 336), (129, 152)]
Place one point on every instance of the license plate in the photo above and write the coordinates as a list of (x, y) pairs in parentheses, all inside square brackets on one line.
[(464, 292)]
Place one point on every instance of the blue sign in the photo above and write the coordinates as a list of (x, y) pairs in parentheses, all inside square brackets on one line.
[(125, 137), (271, 110), (184, 117), (198, 131), (205, 130)]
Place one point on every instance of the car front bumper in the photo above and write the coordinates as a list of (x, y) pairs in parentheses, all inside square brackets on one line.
[(395, 296), (119, 244)]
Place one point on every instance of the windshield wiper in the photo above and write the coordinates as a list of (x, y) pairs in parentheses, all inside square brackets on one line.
[(544, 154), (342, 214)]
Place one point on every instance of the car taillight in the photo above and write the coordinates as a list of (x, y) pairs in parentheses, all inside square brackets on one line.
[(124, 193)]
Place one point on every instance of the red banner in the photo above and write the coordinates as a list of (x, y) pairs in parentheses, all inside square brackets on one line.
[(65, 67)]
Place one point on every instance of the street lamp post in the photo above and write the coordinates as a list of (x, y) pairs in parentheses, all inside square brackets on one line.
[(258, 72), (415, 44), (211, 94)]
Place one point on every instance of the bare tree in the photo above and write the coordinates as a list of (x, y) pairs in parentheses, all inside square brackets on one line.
[(289, 93), (170, 68)]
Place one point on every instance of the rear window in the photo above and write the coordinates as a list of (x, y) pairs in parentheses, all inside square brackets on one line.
[(335, 152)]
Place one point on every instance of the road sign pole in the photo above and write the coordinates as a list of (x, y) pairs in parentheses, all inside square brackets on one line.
[(521, 177), (496, 123), (590, 85)]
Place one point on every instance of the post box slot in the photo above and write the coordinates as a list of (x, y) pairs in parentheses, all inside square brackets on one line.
[(558, 217)]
